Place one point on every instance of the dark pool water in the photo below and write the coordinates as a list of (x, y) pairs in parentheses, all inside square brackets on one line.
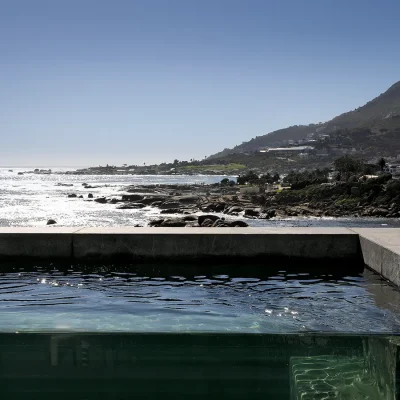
[(119, 366), (149, 298)]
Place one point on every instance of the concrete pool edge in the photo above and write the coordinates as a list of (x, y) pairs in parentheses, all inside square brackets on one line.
[(378, 248)]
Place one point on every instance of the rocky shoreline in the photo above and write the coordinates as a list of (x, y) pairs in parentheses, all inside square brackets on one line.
[(221, 205)]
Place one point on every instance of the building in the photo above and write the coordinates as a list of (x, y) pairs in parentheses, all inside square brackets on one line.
[(393, 169), (287, 150)]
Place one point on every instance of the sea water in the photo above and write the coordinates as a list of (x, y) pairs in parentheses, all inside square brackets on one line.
[(32, 199)]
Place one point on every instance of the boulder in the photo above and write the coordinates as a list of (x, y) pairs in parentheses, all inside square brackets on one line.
[(202, 218), (214, 207), (220, 223), (101, 200), (207, 223), (379, 212), (169, 204), (186, 199), (267, 214), (190, 218), (251, 212), (238, 223), (86, 186), (81, 197), (72, 196), (233, 210), (172, 211), (156, 222), (130, 206), (132, 197), (90, 196), (51, 222), (151, 199), (175, 222)]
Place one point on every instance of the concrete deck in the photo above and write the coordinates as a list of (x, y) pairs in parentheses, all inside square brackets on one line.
[(378, 248)]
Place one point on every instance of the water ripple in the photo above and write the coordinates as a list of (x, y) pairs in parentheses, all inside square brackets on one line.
[(92, 297)]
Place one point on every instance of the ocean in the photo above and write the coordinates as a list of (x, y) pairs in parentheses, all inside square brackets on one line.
[(32, 199)]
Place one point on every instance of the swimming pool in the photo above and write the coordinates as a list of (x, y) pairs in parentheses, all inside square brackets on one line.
[(85, 366), (195, 298)]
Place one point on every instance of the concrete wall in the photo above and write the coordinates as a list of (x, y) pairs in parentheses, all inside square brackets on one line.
[(379, 248), (180, 243)]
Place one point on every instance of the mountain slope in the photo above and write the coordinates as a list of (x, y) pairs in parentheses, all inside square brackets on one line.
[(272, 139), (376, 112), (379, 115)]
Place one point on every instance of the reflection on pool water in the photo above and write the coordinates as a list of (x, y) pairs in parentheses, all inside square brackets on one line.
[(184, 298)]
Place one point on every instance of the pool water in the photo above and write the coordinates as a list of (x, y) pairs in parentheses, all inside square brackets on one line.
[(202, 298), (84, 366)]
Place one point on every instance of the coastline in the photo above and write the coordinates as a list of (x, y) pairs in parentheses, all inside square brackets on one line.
[(31, 200)]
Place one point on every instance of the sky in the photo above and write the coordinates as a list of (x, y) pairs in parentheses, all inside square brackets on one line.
[(91, 82)]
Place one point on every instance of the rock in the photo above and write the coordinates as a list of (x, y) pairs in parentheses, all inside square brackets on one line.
[(130, 206), (250, 212), (189, 218), (220, 223), (51, 222), (138, 226), (267, 214), (90, 196), (72, 196), (156, 222), (172, 211), (207, 223), (379, 212), (202, 218), (213, 207), (238, 223), (169, 204), (177, 222), (81, 197), (186, 199), (151, 199), (112, 201), (132, 197), (101, 200), (148, 200), (86, 186), (233, 210), (355, 191)]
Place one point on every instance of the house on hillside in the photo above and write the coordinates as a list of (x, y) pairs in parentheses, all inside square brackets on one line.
[(287, 150), (393, 169)]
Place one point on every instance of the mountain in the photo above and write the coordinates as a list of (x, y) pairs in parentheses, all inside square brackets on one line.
[(374, 125), (379, 111)]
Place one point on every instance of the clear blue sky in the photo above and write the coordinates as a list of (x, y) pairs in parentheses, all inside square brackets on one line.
[(88, 82)]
